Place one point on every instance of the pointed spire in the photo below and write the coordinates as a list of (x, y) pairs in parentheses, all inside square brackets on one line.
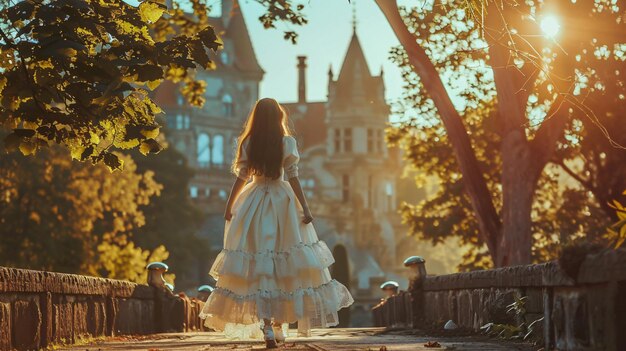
[(381, 70), (353, 16), (330, 72)]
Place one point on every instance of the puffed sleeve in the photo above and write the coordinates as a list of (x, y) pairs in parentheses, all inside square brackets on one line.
[(291, 157), (241, 167)]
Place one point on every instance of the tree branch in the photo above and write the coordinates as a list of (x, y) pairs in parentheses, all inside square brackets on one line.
[(551, 130), (473, 179), (585, 183)]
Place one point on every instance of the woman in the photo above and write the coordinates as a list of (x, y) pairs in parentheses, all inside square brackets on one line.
[(273, 269)]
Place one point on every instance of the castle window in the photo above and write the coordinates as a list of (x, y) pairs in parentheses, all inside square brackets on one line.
[(370, 140), (182, 121), (193, 192), (389, 193), (345, 188), (204, 151), (180, 100), (228, 106), (223, 194), (347, 140), (218, 150), (337, 140)]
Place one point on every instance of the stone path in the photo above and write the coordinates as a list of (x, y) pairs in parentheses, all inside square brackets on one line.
[(336, 339)]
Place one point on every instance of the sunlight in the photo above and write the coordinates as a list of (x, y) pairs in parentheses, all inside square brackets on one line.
[(550, 26)]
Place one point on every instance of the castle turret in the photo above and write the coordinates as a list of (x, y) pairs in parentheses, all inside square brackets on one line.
[(357, 117)]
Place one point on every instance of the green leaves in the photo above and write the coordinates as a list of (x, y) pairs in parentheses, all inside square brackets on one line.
[(151, 11), (113, 161), (149, 146), (282, 11), (77, 73), (616, 233)]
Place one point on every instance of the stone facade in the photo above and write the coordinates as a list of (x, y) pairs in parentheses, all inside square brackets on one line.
[(39, 309)]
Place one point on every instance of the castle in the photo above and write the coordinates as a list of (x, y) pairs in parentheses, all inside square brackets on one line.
[(348, 172)]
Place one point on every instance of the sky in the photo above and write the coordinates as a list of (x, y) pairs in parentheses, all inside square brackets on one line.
[(324, 40)]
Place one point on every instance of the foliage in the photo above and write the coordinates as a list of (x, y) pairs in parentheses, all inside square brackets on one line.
[(513, 332), (126, 261), (283, 11), (57, 213), (78, 72), (171, 219), (616, 233), (447, 213), (462, 52)]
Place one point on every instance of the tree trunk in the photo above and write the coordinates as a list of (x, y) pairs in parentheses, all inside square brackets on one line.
[(473, 179), (519, 180)]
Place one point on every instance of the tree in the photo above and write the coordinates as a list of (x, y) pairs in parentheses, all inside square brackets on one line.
[(535, 83), (63, 215), (78, 72), (563, 213), (128, 262), (171, 219)]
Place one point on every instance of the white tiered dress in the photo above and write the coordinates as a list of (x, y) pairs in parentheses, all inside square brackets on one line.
[(272, 266)]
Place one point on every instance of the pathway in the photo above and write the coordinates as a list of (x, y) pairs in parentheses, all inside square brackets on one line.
[(350, 339)]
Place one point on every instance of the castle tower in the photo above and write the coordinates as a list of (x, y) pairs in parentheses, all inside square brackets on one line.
[(356, 118)]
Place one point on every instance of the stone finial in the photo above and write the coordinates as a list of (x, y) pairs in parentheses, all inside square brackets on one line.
[(389, 285), (414, 260), (390, 288), (204, 291), (205, 288), (417, 265), (155, 274)]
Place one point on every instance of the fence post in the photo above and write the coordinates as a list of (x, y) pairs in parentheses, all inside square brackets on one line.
[(417, 267)]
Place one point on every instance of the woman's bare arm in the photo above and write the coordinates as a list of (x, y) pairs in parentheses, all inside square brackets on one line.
[(234, 192), (297, 189)]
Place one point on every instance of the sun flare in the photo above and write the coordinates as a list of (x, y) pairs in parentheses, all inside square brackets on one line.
[(550, 26)]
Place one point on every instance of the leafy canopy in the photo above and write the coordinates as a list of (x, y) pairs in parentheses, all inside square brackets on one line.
[(78, 72), (58, 214)]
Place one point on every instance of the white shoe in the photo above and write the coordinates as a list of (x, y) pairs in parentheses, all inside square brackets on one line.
[(278, 333)]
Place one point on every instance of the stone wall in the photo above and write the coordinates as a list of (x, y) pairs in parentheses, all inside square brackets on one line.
[(38, 309), (585, 313)]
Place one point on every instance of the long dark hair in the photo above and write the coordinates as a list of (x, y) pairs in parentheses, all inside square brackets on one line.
[(265, 128)]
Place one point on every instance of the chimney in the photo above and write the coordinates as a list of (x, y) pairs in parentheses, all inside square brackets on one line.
[(301, 79)]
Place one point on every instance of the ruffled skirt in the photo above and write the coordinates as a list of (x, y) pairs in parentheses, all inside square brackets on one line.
[(272, 266)]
